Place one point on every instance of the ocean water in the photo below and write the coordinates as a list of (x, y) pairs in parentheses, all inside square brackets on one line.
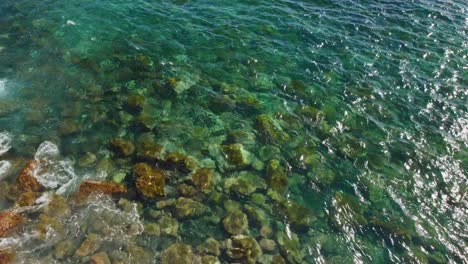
[(335, 131)]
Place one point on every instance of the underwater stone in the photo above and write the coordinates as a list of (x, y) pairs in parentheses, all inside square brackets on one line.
[(26, 179), (57, 206), (90, 245), (290, 246), (186, 190), (278, 260), (100, 258), (211, 246), (270, 130), (347, 211), (89, 187), (277, 178), (256, 214), (210, 260), (27, 199), (187, 208), (237, 155), (169, 226), (64, 249), (152, 229), (147, 149), (87, 160), (122, 146), (268, 245), (68, 126), (150, 181), (9, 221), (181, 162), (203, 179), (119, 177), (244, 184), (236, 222), (136, 101), (221, 103), (46, 225), (7, 256), (243, 248), (8, 107), (177, 253), (300, 217)]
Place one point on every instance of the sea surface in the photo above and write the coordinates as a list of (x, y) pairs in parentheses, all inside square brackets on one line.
[(253, 131)]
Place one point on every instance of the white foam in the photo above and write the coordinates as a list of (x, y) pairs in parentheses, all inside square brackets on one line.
[(5, 166), (53, 171), (2, 86), (5, 140)]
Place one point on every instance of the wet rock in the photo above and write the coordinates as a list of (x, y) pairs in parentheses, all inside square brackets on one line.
[(177, 253), (100, 258), (210, 260), (277, 178), (150, 181), (203, 179), (270, 130), (89, 187), (90, 245), (26, 179), (64, 249), (147, 149), (186, 190), (243, 248), (27, 199), (8, 107), (69, 126), (347, 210), (236, 222), (47, 225), (300, 217), (278, 260), (168, 226), (249, 104), (265, 231), (152, 229), (188, 208), (87, 160), (256, 214), (57, 206), (268, 245), (221, 103), (139, 255), (236, 155), (290, 246), (7, 256), (136, 101), (181, 162), (211, 246), (9, 222), (119, 177), (244, 184), (122, 146)]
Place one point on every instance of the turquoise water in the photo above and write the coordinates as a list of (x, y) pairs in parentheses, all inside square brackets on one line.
[(336, 130)]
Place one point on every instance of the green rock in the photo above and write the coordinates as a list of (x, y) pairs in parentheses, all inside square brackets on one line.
[(188, 208), (203, 179), (244, 184), (119, 177), (237, 155), (243, 248), (236, 222), (211, 247), (276, 175), (177, 253), (168, 226), (290, 246), (122, 146), (270, 130)]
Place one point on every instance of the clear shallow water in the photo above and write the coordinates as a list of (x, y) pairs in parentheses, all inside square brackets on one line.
[(362, 104)]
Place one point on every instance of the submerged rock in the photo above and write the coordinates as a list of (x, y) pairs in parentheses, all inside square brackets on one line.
[(177, 253), (270, 130), (48, 226), (181, 162), (147, 149), (236, 222), (244, 184), (7, 256), (188, 208), (9, 222), (122, 146), (69, 126), (27, 198), (203, 179), (211, 246), (90, 245), (136, 101), (277, 178), (26, 179), (57, 206), (100, 258), (87, 160), (243, 248), (150, 181), (290, 247), (300, 217), (237, 155), (168, 226), (64, 249), (89, 187)]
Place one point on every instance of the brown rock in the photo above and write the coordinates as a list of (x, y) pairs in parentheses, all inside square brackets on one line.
[(28, 199), (7, 256), (90, 245), (150, 181), (100, 258), (9, 221), (110, 188), (203, 179), (181, 162), (122, 146), (26, 179)]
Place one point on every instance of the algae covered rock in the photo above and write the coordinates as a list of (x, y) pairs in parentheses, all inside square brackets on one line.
[(347, 210), (300, 217), (69, 126), (100, 258), (26, 179), (168, 226), (290, 247), (236, 155), (27, 198), (87, 160), (181, 162), (243, 248), (187, 208), (277, 178), (48, 226), (236, 222), (90, 245), (64, 249), (9, 222), (135, 101), (203, 179), (122, 146), (150, 181), (7, 256), (270, 130), (89, 187), (211, 246), (244, 184), (177, 253)]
